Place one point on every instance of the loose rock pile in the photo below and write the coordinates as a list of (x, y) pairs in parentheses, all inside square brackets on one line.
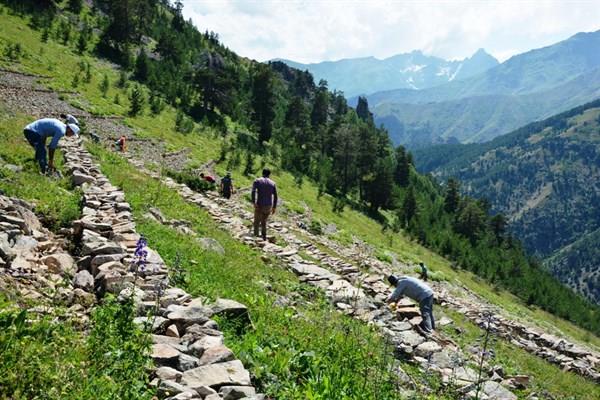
[(192, 360), (35, 266)]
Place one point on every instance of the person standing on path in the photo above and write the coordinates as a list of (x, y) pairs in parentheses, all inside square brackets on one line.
[(227, 186), (424, 275), (418, 291), (39, 131), (264, 198)]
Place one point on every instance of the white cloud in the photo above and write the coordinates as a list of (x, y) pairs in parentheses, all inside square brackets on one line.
[(318, 30)]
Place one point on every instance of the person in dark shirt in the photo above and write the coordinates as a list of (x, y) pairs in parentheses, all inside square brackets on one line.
[(227, 185), (424, 273), (264, 198)]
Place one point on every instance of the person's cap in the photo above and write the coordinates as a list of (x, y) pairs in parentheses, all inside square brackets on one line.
[(392, 280), (421, 263), (74, 128), (71, 119), (228, 173)]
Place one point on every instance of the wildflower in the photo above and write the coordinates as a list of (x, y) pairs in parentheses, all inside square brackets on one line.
[(140, 254)]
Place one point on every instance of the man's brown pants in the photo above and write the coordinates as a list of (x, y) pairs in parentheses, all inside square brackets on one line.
[(261, 214)]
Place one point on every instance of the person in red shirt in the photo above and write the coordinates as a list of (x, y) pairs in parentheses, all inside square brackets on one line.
[(208, 178), (121, 143)]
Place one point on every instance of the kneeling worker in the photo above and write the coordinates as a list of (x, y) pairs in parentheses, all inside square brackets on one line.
[(38, 132), (418, 291)]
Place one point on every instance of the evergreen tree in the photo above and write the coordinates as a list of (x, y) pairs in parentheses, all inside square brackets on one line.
[(452, 198), (263, 102), (362, 110), (82, 43), (378, 189), (157, 104), (471, 221), (402, 170), (409, 206), (498, 225), (216, 83), (141, 67), (320, 108), (75, 6), (136, 97), (104, 85), (45, 35), (345, 152)]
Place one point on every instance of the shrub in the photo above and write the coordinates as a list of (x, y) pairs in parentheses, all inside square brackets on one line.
[(183, 124), (315, 227)]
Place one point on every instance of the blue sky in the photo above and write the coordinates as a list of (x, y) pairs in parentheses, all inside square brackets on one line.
[(319, 30)]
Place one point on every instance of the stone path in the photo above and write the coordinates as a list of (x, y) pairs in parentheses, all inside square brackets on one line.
[(353, 292), (191, 358)]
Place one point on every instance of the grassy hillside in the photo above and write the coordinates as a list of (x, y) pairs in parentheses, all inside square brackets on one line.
[(285, 338)]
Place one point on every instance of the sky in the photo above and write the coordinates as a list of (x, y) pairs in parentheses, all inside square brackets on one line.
[(326, 30)]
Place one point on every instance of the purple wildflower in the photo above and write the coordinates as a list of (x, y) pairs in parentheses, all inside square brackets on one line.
[(140, 253)]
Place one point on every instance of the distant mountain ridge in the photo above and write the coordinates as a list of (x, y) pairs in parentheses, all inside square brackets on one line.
[(525, 88), (414, 70), (545, 177)]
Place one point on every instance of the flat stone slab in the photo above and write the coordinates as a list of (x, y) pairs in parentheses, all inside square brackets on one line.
[(342, 290), (411, 338), (164, 353), (188, 315), (425, 349), (216, 354), (309, 269), (220, 374)]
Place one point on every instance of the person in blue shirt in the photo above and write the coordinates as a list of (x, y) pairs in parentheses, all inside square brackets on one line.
[(39, 131)]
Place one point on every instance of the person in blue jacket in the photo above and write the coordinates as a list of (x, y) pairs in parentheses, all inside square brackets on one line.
[(38, 132)]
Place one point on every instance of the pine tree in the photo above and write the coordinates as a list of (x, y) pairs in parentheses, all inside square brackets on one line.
[(136, 97), (45, 35), (75, 6), (156, 103), (362, 110), (320, 108), (88, 73), (409, 206), (142, 67), (122, 82), (104, 85), (471, 221), (65, 32), (402, 170), (263, 102), (82, 43), (452, 198)]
